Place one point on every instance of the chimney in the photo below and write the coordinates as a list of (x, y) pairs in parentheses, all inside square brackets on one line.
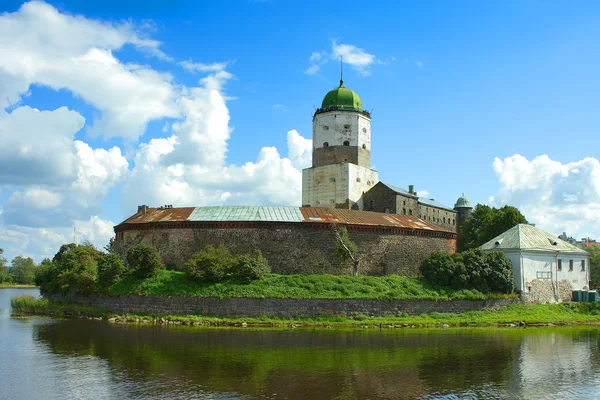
[(142, 209), (411, 189)]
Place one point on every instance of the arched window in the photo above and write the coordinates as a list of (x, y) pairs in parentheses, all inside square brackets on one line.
[(346, 143), (325, 144)]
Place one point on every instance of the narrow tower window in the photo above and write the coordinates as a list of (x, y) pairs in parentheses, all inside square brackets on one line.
[(364, 130), (346, 143), (364, 146), (325, 144)]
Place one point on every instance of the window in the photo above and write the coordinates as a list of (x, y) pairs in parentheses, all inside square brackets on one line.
[(346, 143), (570, 265), (409, 212), (346, 126), (325, 144), (364, 130), (364, 146), (444, 219), (543, 275), (404, 211), (559, 264), (357, 179), (325, 128), (404, 202), (583, 265)]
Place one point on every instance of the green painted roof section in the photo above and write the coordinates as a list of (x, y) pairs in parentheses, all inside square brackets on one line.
[(462, 202), (529, 237), (246, 213), (342, 97)]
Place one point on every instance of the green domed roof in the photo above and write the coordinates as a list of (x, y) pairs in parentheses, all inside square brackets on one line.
[(342, 97), (463, 202)]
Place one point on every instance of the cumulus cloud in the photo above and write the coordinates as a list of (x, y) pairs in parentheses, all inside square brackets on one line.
[(354, 56), (55, 181), (556, 197), (41, 46)]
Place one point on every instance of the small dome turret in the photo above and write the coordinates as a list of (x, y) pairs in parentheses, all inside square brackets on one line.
[(463, 202), (342, 97)]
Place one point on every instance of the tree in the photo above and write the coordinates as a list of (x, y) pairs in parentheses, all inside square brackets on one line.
[(4, 275), (485, 223), (211, 264), (144, 260), (346, 248), (594, 251), (23, 270)]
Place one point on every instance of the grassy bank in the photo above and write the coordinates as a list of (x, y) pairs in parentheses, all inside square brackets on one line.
[(297, 287), (520, 314), (16, 286)]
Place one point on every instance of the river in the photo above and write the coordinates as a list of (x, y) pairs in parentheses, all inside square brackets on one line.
[(42, 358)]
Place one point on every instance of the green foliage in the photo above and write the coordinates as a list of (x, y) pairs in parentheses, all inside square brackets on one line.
[(144, 260), (110, 269), (594, 251), (73, 269), (471, 270), (5, 277), (111, 247), (29, 305), (248, 268), (23, 270), (211, 264), (345, 248), (485, 223), (317, 286)]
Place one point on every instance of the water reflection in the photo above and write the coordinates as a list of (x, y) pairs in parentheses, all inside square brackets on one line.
[(44, 358), (354, 364)]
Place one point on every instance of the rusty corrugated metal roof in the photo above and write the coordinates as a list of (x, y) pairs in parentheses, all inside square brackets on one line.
[(161, 215), (282, 214)]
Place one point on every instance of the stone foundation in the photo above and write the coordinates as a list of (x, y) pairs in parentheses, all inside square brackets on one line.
[(283, 308), (547, 291)]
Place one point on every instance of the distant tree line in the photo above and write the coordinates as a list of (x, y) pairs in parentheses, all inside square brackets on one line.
[(21, 270)]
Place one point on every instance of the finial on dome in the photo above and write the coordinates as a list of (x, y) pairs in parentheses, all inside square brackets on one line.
[(341, 71)]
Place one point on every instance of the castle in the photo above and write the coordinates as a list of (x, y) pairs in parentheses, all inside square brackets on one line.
[(394, 229), (341, 174)]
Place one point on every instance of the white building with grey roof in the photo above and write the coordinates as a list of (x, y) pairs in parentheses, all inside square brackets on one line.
[(545, 268)]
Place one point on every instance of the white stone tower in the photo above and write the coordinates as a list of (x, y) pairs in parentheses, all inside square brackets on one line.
[(341, 163)]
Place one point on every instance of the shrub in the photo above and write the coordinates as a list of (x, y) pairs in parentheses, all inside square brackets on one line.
[(210, 264), (73, 269), (440, 268), (472, 270), (144, 260), (110, 270), (248, 268)]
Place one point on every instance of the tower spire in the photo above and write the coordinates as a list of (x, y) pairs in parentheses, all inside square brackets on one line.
[(341, 71)]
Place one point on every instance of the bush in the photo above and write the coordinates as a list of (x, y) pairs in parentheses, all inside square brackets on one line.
[(248, 268), (73, 269), (144, 260), (110, 270), (440, 268), (210, 264), (472, 270)]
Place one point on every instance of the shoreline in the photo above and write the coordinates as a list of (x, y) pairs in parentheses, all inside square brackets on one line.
[(17, 286), (513, 316)]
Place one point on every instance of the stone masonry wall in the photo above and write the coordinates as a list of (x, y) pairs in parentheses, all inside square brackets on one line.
[(545, 290), (284, 308), (293, 248)]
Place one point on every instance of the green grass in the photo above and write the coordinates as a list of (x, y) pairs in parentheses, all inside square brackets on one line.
[(297, 287), (29, 305), (564, 313), (16, 286)]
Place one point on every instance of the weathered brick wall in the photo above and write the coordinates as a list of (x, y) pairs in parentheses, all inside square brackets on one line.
[(285, 308), (295, 247)]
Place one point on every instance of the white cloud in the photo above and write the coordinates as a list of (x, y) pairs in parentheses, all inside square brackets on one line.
[(199, 67), (41, 46), (422, 193), (354, 56), (55, 181), (556, 197)]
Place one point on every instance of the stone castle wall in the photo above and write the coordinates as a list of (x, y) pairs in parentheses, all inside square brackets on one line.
[(292, 248), (284, 308)]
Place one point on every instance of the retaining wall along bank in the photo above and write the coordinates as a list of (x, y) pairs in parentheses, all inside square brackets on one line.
[(284, 308)]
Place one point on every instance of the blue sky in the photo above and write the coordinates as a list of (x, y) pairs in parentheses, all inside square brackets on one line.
[(497, 100)]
